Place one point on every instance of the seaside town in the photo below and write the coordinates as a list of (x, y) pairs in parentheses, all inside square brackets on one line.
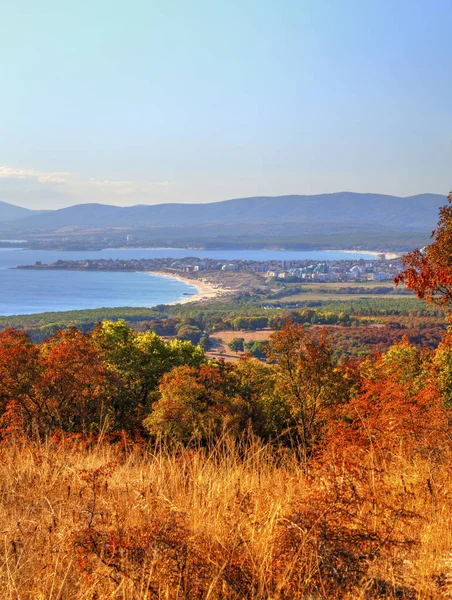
[(382, 268)]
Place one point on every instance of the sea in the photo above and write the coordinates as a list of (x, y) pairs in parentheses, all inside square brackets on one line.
[(29, 292)]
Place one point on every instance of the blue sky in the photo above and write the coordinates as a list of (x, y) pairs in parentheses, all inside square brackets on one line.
[(150, 101)]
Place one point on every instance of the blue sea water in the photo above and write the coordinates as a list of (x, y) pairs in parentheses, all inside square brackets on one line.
[(27, 292)]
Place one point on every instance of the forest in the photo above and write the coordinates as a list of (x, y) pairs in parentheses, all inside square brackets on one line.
[(357, 327), (135, 467)]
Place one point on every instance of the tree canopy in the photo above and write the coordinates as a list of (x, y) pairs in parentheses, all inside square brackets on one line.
[(429, 270)]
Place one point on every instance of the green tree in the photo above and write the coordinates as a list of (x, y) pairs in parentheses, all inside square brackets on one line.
[(264, 411), (237, 344), (139, 361), (190, 333)]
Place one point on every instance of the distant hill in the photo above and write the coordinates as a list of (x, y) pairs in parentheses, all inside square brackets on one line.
[(10, 212), (343, 211)]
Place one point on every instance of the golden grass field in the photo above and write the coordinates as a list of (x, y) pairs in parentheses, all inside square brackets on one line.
[(86, 521)]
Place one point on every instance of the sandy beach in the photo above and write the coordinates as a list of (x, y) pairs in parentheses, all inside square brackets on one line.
[(389, 255), (206, 291)]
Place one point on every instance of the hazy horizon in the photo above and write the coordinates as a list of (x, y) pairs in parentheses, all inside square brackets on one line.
[(117, 204), (155, 102)]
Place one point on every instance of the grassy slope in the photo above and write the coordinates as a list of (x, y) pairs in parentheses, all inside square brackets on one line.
[(191, 524)]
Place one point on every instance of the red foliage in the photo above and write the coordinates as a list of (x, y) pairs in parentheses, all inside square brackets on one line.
[(60, 384), (73, 389), (429, 271), (18, 366), (399, 405)]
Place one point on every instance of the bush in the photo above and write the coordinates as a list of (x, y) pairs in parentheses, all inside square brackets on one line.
[(256, 348), (190, 333), (237, 345)]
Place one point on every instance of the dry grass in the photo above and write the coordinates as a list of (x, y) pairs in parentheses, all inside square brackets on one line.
[(227, 336), (82, 521)]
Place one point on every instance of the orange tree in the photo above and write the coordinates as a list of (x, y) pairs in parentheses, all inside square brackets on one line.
[(61, 383), (19, 370), (429, 271), (73, 391), (196, 404)]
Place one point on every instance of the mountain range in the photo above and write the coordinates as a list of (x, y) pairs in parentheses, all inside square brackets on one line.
[(9, 212), (342, 211)]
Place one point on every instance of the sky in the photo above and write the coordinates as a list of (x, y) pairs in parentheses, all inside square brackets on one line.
[(151, 101)]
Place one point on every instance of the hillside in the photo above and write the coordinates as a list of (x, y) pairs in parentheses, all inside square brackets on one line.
[(10, 212), (144, 470), (344, 211)]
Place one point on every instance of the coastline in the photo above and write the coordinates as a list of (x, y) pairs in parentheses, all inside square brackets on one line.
[(206, 291), (389, 255)]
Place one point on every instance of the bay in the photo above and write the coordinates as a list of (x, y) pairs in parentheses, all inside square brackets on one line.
[(28, 292)]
